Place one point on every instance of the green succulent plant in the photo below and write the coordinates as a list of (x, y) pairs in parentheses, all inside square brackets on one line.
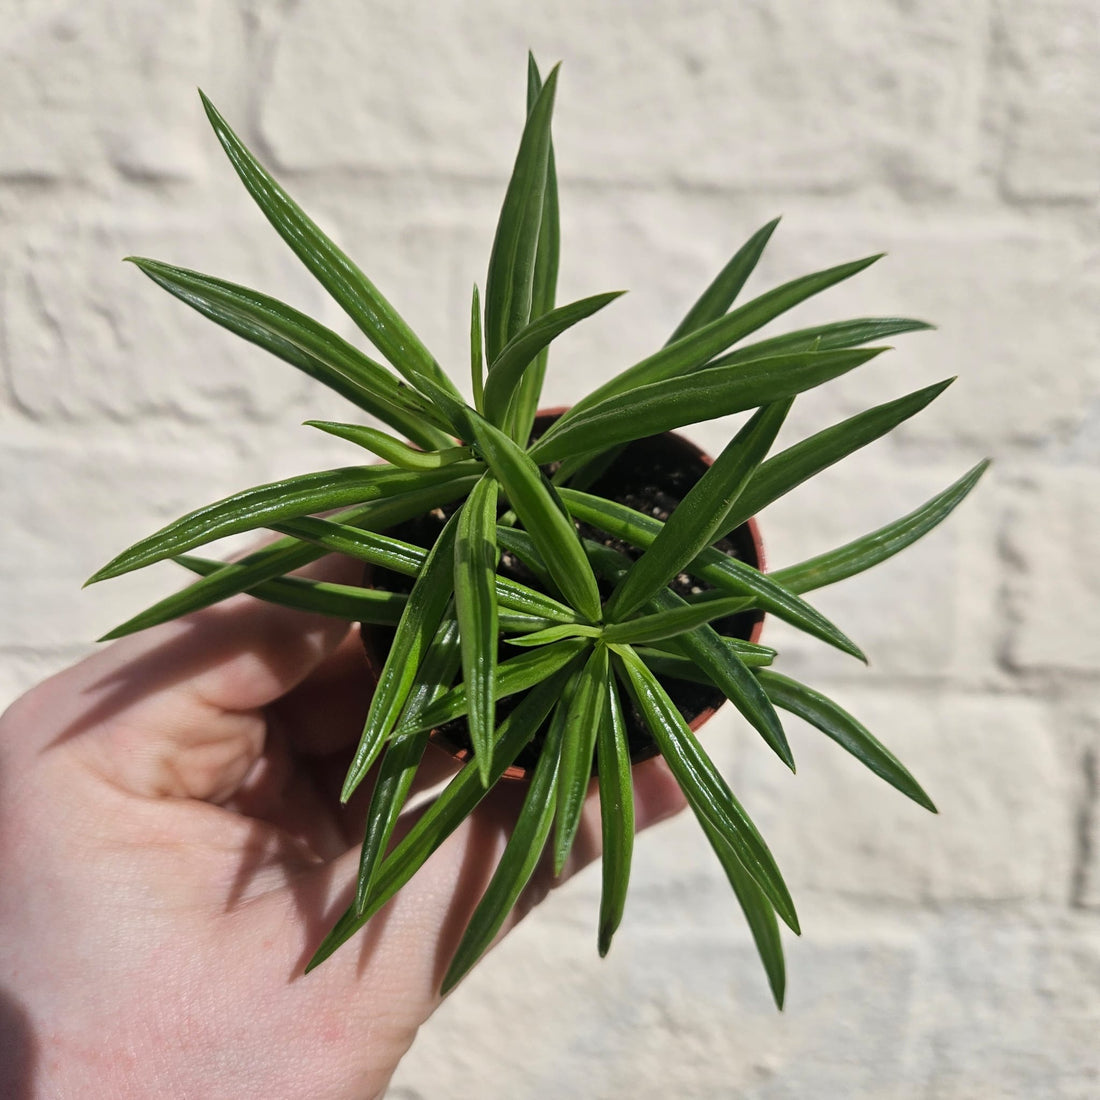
[(592, 630)]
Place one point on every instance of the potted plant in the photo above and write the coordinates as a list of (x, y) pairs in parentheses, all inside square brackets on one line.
[(565, 583)]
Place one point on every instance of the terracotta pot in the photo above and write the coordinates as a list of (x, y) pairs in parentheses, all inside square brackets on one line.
[(677, 464)]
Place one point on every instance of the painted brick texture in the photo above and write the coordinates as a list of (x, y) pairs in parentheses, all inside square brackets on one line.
[(944, 958)]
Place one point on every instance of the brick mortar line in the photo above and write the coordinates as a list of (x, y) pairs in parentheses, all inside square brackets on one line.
[(989, 197)]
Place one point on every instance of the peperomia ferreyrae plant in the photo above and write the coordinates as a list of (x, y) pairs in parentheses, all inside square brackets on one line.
[(544, 615)]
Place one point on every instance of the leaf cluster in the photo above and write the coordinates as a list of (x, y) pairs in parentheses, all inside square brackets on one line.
[(598, 630)]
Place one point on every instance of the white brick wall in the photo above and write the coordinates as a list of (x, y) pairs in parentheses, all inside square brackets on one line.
[(943, 958)]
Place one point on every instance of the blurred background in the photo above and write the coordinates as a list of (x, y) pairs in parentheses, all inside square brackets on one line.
[(955, 956)]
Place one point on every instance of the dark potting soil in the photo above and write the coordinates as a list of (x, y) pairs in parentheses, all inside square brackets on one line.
[(652, 476)]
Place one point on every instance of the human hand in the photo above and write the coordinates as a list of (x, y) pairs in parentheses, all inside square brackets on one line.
[(172, 852)]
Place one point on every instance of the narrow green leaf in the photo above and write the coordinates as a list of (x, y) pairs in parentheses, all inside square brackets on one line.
[(510, 282), (544, 284), (430, 595), (788, 469), (322, 354), (677, 620), (401, 557), (355, 293), (512, 676), (262, 336), (389, 449), (667, 667), (728, 574), (704, 788), (714, 659), (506, 371), (534, 82), (396, 773), (854, 557), (341, 601), (517, 864), (402, 756), (758, 911), (749, 653), (405, 558), (829, 337), (518, 622), (673, 667), (720, 295), (477, 353), (696, 520), (286, 555), (454, 805), (555, 634), (530, 495), (616, 814), (435, 677), (846, 731), (578, 747), (704, 395), (475, 564), (720, 664), (266, 505), (522, 546), (699, 347), (580, 471)]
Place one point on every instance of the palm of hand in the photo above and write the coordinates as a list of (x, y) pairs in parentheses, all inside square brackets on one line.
[(173, 851)]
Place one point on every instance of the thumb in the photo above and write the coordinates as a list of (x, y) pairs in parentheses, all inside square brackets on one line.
[(179, 710)]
